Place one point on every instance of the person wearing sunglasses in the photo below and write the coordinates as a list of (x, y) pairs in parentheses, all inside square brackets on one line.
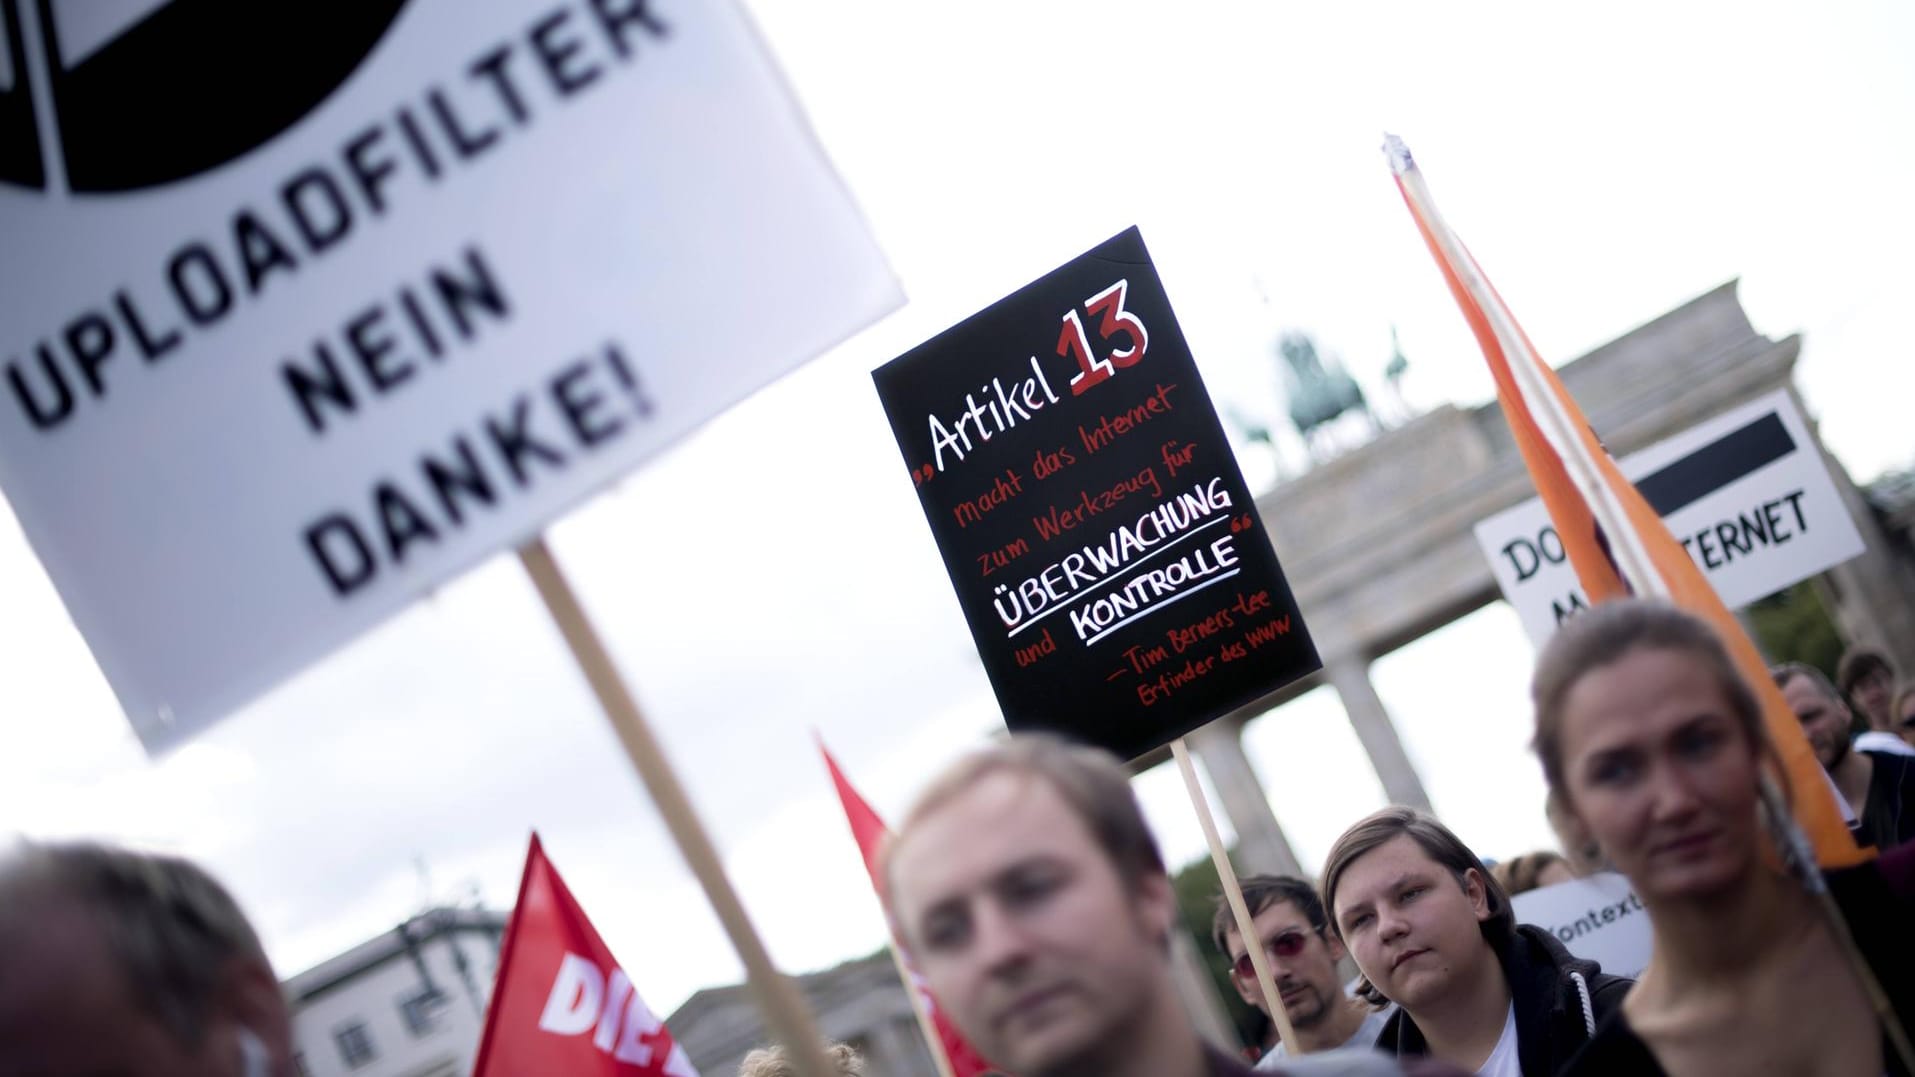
[(1288, 916)]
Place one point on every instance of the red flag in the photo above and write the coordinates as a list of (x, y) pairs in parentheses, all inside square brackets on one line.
[(561, 1004), (1617, 543), (870, 832)]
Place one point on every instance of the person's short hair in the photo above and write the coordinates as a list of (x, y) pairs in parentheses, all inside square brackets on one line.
[(774, 1062), (171, 928), (1521, 874), (1259, 893), (1438, 842), (1857, 664), (1784, 672), (1610, 632), (1090, 780)]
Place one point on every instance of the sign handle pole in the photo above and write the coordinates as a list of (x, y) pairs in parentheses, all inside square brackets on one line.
[(1233, 893), (777, 997), (925, 1025)]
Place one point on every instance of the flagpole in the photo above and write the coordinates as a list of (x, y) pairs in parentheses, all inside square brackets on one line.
[(1233, 893), (1568, 437), (925, 1025), (777, 997)]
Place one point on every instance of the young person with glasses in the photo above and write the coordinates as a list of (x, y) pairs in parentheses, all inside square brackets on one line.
[(1289, 918)]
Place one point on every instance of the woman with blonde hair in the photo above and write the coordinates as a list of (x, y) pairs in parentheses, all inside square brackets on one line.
[(1654, 749)]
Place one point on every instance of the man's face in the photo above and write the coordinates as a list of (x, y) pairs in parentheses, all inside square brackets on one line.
[(1023, 929), (1414, 932), (1303, 963), (67, 1008), (1873, 694), (1825, 720)]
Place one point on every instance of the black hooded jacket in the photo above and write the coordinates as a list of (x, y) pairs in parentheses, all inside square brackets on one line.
[(1559, 1001)]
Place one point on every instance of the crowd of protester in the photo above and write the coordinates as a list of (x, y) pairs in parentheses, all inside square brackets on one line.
[(1030, 893)]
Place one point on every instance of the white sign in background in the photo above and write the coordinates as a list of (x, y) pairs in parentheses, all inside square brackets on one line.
[(247, 414), (1599, 918), (1759, 531)]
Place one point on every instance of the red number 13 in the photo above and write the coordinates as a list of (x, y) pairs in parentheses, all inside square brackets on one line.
[(1073, 343)]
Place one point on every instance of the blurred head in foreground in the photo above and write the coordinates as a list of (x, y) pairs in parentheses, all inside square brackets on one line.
[(1653, 747), (126, 963), (773, 1061), (1031, 893)]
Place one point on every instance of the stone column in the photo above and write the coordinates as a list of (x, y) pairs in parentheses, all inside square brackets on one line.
[(1261, 846), (1350, 676)]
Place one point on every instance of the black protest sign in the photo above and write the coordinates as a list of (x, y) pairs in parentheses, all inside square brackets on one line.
[(1101, 540)]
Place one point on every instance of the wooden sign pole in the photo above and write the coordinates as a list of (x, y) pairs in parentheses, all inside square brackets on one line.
[(1233, 893), (925, 1025), (777, 997)]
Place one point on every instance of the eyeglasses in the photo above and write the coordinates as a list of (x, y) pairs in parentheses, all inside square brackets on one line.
[(1287, 945), (1908, 721)]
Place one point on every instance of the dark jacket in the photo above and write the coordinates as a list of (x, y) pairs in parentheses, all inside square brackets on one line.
[(1888, 812), (1559, 1001), (1877, 901)]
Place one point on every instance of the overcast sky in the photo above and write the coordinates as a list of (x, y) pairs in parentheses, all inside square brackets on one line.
[(1603, 168)]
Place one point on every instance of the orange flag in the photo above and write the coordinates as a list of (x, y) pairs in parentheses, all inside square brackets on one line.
[(561, 1004), (962, 1060), (1616, 542)]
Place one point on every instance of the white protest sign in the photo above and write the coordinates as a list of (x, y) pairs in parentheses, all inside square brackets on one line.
[(1599, 918), (1746, 493), (302, 317)]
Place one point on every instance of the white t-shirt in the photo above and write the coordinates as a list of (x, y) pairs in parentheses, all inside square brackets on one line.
[(1877, 741), (1364, 1036), (1502, 1062)]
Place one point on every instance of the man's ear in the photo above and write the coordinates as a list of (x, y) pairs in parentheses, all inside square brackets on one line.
[(253, 1000), (1476, 888), (1157, 905), (1335, 945)]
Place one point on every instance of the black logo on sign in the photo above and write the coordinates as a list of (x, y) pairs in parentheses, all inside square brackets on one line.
[(101, 96)]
